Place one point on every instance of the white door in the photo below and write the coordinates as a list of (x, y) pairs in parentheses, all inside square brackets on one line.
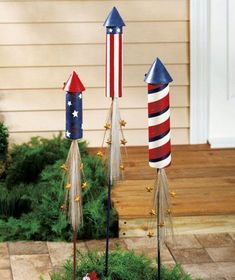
[(213, 72), (222, 74)]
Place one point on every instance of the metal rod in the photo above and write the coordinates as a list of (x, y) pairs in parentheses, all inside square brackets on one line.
[(74, 253), (158, 233), (107, 229)]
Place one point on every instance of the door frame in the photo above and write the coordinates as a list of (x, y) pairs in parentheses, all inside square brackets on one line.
[(199, 71)]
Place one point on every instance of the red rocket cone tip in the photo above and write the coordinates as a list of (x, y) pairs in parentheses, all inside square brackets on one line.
[(74, 84)]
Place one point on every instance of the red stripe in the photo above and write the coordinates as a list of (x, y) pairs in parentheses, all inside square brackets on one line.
[(106, 67), (158, 106), (111, 63), (159, 129), (160, 151), (120, 67), (150, 86)]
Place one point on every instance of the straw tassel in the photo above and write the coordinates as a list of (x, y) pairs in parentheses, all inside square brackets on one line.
[(115, 147), (162, 193), (73, 196)]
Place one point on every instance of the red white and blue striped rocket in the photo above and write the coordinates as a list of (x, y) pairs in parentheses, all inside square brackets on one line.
[(74, 124), (158, 80), (114, 60)]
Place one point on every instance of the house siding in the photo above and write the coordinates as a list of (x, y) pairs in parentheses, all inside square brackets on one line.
[(43, 41)]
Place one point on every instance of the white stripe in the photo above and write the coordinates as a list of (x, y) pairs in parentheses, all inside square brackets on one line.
[(160, 142), (161, 164), (122, 62), (159, 119), (116, 64), (152, 97), (108, 67)]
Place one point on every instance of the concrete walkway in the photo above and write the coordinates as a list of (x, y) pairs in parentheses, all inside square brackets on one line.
[(209, 256)]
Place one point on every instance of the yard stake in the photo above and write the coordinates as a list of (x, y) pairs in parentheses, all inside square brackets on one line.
[(158, 80), (74, 253), (73, 167), (158, 237), (113, 85)]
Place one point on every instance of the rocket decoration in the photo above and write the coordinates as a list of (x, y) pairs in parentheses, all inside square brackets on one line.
[(113, 83), (114, 124), (158, 80), (73, 167), (74, 89), (114, 25)]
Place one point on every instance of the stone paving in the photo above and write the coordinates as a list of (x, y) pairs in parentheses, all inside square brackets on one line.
[(208, 256)]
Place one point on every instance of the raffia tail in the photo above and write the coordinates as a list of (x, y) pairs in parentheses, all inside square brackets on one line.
[(73, 196)]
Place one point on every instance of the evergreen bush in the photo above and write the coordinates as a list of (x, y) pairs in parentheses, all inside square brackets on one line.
[(3, 147), (123, 265), (32, 194)]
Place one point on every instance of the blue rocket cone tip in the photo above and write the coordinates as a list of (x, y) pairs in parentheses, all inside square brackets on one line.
[(158, 74), (114, 19)]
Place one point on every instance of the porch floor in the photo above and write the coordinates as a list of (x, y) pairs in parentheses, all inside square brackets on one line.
[(203, 179)]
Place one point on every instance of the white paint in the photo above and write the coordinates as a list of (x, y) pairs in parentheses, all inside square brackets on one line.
[(116, 65), (162, 163), (212, 72), (159, 119), (231, 49), (199, 11), (222, 71), (160, 142), (152, 97)]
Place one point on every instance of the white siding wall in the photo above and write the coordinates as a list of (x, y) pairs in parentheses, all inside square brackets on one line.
[(41, 42)]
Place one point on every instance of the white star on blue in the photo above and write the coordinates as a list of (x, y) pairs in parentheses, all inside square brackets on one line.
[(75, 114)]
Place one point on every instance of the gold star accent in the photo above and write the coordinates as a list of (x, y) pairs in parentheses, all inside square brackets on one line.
[(123, 123), (173, 194), (152, 212), (123, 141), (109, 142), (168, 211), (81, 166), (77, 198), (84, 185), (150, 234), (107, 126), (162, 224), (99, 154), (68, 186), (64, 167), (122, 167), (149, 189)]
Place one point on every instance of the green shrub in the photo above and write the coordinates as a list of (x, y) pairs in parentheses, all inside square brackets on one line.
[(123, 265), (29, 159), (3, 147), (38, 198)]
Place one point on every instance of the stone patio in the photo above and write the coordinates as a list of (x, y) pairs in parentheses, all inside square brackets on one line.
[(208, 256)]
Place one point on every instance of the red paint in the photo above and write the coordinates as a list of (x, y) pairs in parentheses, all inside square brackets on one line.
[(159, 129), (120, 67), (74, 84), (158, 106), (160, 151)]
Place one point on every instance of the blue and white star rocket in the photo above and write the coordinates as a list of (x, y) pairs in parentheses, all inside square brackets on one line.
[(74, 124), (74, 179)]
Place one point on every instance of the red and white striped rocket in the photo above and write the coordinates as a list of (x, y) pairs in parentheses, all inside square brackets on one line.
[(113, 79), (114, 61), (158, 80)]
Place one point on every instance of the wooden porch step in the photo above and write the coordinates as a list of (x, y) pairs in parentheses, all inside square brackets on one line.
[(195, 196), (204, 180)]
